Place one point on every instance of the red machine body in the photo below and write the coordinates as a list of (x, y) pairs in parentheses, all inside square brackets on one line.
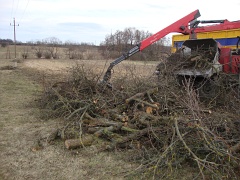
[(230, 59), (223, 25)]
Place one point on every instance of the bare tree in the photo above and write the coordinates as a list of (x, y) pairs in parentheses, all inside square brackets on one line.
[(121, 41), (52, 47)]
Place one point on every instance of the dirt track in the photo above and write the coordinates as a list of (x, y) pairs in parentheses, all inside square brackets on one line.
[(21, 127)]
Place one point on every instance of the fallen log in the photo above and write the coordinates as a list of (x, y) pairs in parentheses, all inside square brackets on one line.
[(100, 122), (134, 136), (140, 95), (147, 103), (92, 130), (108, 130), (80, 142)]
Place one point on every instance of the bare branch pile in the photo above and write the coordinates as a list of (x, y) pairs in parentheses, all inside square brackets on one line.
[(163, 122)]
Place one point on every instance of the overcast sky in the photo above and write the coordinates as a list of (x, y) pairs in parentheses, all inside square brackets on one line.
[(91, 20)]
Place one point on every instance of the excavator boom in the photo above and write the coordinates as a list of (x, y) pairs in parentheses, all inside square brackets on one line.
[(180, 26)]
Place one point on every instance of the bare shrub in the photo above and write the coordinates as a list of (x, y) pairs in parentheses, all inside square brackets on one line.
[(47, 55), (92, 55), (25, 53), (38, 48)]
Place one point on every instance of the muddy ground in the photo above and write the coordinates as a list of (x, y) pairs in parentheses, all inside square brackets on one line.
[(21, 126)]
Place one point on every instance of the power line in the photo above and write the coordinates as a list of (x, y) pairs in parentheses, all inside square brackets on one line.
[(24, 11)]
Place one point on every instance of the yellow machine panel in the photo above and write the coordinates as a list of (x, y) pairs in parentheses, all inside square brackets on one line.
[(227, 38)]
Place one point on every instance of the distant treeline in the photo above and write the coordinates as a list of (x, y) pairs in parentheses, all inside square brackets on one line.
[(5, 42), (113, 46)]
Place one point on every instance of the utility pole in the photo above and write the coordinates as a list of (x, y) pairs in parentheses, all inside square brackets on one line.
[(14, 28)]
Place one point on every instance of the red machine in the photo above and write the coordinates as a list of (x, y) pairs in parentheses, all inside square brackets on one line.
[(225, 59)]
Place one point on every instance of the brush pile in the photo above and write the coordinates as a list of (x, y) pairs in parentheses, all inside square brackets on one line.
[(162, 121)]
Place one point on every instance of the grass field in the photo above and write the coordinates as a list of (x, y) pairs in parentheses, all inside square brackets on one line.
[(21, 126)]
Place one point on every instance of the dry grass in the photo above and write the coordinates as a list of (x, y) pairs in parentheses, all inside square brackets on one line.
[(141, 67), (21, 127)]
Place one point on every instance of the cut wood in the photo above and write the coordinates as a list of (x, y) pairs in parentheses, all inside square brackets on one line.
[(81, 142), (149, 110), (147, 103), (100, 122), (196, 58), (107, 130), (140, 95), (133, 136)]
